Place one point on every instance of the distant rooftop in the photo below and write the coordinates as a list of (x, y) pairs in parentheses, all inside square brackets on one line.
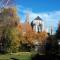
[(37, 18)]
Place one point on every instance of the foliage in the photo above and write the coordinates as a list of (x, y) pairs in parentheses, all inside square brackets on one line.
[(42, 36), (51, 45), (29, 37), (9, 16), (58, 32), (11, 35)]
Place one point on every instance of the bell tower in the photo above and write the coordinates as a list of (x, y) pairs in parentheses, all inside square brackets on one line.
[(37, 24)]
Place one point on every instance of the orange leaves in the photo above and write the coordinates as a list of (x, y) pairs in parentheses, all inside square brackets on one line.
[(42, 37), (28, 27), (42, 34), (29, 37), (19, 28)]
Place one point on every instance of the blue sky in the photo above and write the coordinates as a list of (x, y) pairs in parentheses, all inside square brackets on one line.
[(48, 10), (40, 5)]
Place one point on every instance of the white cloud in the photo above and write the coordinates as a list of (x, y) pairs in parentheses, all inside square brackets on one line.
[(49, 18)]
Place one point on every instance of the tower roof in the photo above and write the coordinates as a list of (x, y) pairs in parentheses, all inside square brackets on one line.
[(37, 18)]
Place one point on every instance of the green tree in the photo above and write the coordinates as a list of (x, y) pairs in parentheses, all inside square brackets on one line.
[(12, 40)]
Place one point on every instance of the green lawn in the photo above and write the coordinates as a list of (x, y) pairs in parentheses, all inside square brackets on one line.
[(19, 56)]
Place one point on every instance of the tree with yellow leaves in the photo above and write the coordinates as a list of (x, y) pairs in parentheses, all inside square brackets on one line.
[(11, 36), (42, 37), (9, 16)]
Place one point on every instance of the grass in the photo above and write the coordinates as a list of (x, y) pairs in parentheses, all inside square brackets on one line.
[(19, 56)]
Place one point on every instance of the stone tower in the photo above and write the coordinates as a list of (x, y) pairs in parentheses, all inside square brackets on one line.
[(37, 24)]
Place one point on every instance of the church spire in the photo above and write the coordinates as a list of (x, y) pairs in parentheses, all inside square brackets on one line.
[(27, 17)]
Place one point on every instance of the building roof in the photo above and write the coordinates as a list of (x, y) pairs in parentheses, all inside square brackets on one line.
[(37, 18)]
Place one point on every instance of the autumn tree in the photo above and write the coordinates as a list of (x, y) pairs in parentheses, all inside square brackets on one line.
[(12, 39), (10, 16), (29, 34), (10, 33), (42, 37)]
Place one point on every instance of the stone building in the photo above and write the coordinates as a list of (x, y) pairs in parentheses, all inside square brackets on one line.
[(37, 24)]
